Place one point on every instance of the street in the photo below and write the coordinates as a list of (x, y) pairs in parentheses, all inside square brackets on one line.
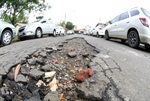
[(126, 69)]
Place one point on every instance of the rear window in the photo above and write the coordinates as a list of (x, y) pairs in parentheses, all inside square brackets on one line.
[(134, 12), (146, 12), (101, 26)]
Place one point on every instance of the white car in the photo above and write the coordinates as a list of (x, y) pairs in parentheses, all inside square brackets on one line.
[(99, 30), (132, 26), (60, 30), (70, 32), (91, 31), (7, 33), (37, 29)]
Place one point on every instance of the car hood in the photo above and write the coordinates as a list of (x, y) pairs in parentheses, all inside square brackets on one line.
[(6, 24)]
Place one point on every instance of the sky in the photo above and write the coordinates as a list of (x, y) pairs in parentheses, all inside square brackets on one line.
[(90, 12)]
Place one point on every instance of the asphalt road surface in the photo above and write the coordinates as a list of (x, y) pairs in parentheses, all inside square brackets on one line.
[(128, 69)]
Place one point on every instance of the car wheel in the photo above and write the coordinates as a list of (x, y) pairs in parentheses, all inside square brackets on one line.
[(97, 35), (107, 35), (133, 39), (54, 33), (60, 33), (147, 47), (38, 33), (6, 37)]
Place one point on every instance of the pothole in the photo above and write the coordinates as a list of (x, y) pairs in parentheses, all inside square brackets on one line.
[(58, 73)]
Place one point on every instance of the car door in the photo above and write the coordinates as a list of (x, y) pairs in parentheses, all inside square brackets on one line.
[(123, 25), (51, 27), (44, 25), (94, 31), (113, 27)]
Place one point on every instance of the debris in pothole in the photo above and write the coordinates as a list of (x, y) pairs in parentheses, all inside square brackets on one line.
[(17, 71), (93, 88), (72, 54), (55, 74), (49, 74), (84, 74)]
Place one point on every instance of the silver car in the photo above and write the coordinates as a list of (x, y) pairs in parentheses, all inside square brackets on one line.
[(7, 33), (37, 29)]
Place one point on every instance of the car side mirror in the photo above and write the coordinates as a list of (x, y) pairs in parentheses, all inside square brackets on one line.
[(110, 22)]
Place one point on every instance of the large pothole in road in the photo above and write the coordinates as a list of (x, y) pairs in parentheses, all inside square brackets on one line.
[(59, 73)]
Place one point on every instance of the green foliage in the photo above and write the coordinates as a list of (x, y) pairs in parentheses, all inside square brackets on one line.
[(15, 10), (38, 18), (69, 25), (62, 23)]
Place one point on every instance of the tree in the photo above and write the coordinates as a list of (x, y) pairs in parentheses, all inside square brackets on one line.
[(15, 10), (39, 18), (69, 25), (62, 23)]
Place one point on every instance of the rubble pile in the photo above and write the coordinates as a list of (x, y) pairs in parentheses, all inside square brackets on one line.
[(59, 73)]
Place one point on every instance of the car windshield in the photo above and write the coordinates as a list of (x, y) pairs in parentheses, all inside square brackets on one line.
[(101, 26), (146, 12)]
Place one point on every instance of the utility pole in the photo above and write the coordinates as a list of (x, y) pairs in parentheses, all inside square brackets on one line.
[(65, 17)]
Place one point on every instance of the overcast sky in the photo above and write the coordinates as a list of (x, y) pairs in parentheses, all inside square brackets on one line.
[(90, 12)]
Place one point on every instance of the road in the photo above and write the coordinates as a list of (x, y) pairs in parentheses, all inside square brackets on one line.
[(127, 68)]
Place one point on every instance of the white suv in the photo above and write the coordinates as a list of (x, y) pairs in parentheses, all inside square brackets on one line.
[(132, 26)]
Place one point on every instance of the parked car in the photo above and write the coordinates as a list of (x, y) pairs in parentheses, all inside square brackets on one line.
[(7, 33), (132, 26), (70, 32), (99, 30), (60, 30), (86, 32), (37, 29), (91, 31)]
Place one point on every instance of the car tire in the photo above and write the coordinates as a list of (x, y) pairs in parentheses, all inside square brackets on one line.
[(54, 33), (60, 33), (133, 39), (147, 47), (97, 35), (107, 35), (6, 37), (38, 33)]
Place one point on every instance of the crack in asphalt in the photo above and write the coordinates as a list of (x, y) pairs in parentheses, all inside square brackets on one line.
[(112, 82), (116, 90), (103, 70), (117, 65), (4, 53), (114, 61)]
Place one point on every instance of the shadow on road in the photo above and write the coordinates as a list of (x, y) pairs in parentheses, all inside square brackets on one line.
[(141, 46)]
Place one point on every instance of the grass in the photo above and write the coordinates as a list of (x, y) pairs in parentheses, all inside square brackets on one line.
[(15, 39)]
